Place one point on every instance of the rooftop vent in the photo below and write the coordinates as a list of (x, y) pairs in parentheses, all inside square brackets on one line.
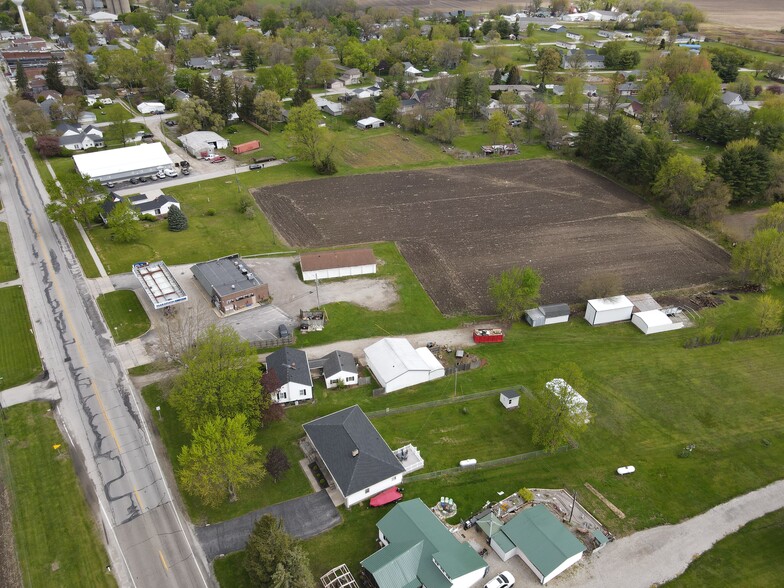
[(233, 286), (355, 453)]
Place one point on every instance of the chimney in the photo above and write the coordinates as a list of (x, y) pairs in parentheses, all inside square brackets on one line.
[(355, 453)]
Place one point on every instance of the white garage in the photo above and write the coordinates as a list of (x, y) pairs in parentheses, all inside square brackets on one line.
[(202, 144), (601, 311), (396, 364), (654, 321), (323, 265)]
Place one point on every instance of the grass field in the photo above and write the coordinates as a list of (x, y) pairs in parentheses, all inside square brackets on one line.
[(19, 360), (124, 314), (751, 558), (485, 431), (110, 112), (8, 269), (57, 539), (649, 397)]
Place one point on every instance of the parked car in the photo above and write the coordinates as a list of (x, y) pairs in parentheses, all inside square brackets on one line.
[(218, 159), (154, 177), (502, 580), (170, 123), (256, 166), (134, 181), (143, 179), (109, 184), (622, 471), (148, 136), (170, 172), (186, 171), (106, 101), (283, 331), (161, 174)]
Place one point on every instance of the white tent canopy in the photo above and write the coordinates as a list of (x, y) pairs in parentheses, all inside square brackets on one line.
[(654, 321), (396, 364)]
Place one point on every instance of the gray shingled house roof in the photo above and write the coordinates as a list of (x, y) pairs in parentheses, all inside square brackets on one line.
[(337, 436), (339, 361), (290, 365)]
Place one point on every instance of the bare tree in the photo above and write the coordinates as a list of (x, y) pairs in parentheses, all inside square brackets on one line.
[(180, 329)]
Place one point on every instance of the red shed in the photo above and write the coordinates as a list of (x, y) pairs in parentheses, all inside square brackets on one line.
[(488, 335), (245, 147)]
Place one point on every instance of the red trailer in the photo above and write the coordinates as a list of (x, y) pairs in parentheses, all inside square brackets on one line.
[(245, 147), (488, 335), (387, 497)]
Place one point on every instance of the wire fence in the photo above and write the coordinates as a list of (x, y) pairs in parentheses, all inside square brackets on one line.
[(442, 402), (492, 463)]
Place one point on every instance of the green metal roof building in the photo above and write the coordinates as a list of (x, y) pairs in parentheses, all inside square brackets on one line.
[(538, 537), (420, 551)]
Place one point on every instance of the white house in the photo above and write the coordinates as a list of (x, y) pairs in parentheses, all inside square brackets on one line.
[(154, 203), (355, 456), (75, 138), (418, 550), (654, 321), (293, 372), (370, 122), (324, 105), (601, 311), (396, 364), (734, 101), (577, 404), (351, 76), (323, 265), (151, 108), (410, 70), (537, 537), (339, 368)]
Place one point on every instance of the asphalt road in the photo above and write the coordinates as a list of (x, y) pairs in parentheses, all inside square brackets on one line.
[(147, 541)]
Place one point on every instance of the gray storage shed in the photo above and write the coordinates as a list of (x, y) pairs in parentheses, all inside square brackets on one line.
[(510, 399), (549, 314)]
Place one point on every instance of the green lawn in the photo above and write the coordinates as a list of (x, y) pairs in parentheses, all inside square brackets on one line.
[(751, 558), (485, 431), (57, 539), (19, 360), (124, 314), (110, 112), (112, 135), (8, 269), (750, 53), (649, 396)]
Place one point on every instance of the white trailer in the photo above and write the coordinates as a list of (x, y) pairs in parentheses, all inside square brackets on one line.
[(601, 311)]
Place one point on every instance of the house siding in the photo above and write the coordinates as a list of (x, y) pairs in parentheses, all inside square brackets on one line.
[(339, 272), (371, 491), (293, 393), (344, 376)]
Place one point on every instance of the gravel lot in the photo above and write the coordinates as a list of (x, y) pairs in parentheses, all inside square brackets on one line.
[(458, 226)]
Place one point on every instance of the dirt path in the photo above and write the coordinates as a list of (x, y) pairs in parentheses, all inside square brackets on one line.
[(657, 555)]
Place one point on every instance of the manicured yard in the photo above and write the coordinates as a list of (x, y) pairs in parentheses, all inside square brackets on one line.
[(19, 360), (8, 269), (57, 539), (751, 558), (124, 314), (485, 431), (110, 112)]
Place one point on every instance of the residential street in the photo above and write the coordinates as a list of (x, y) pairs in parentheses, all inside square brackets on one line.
[(147, 542)]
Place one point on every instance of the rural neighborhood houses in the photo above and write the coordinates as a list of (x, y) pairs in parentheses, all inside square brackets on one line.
[(292, 369)]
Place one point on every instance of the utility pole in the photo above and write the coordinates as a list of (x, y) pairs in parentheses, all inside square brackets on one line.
[(318, 298), (574, 501)]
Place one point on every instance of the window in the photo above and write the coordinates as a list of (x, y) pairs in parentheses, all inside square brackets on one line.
[(281, 395), (335, 381), (367, 490), (350, 379), (303, 392)]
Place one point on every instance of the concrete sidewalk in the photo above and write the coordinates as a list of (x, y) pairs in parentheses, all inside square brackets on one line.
[(47, 390)]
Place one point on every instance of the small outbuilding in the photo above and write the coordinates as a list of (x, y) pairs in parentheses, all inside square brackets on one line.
[(151, 107), (323, 265), (202, 144), (339, 368), (547, 315), (510, 399), (600, 311), (654, 321), (396, 364), (370, 122)]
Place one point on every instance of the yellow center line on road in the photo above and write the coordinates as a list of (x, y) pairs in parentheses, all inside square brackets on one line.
[(67, 316), (163, 560)]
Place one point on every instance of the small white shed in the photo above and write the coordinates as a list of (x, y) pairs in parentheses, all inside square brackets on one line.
[(151, 107), (600, 311), (654, 321), (549, 314), (510, 399), (370, 122)]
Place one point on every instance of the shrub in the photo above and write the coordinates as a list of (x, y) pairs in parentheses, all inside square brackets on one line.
[(326, 166), (177, 219), (231, 129), (150, 218), (277, 464), (210, 212), (525, 494), (245, 203)]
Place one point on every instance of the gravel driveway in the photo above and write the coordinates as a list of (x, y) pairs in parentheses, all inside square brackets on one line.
[(657, 555)]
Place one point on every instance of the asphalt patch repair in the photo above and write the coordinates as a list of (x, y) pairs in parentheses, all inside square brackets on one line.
[(458, 226)]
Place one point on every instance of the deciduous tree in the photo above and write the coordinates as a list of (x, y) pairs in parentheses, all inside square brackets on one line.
[(497, 127), (277, 463), (678, 181), (310, 141), (745, 166), (761, 258), (445, 126), (123, 222), (515, 290), (573, 96), (267, 108), (548, 61), (220, 379), (554, 413), (220, 460)]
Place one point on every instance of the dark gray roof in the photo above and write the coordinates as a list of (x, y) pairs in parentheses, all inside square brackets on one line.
[(290, 365), (553, 310), (72, 139), (510, 394), (225, 275), (152, 205), (337, 435), (339, 361)]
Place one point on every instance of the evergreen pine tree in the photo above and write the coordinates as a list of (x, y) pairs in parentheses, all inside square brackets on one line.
[(497, 77), (247, 96), (514, 76), (22, 84), (177, 219), (301, 94), (52, 76), (224, 98)]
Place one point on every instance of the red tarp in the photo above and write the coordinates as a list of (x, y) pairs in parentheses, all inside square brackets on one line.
[(387, 496)]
